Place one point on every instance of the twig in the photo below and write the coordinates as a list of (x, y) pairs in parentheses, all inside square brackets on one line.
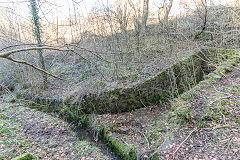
[(95, 53), (184, 141), (143, 103), (5, 87), (145, 138)]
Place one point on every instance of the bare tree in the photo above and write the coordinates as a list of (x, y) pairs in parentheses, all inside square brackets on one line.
[(140, 15), (202, 11), (145, 15), (168, 9), (136, 15), (140, 19), (164, 9), (37, 36), (121, 15)]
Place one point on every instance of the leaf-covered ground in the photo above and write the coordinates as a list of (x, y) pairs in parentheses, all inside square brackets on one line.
[(215, 113), (24, 130), (203, 123)]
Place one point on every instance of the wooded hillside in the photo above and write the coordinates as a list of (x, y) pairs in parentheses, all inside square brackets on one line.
[(129, 79)]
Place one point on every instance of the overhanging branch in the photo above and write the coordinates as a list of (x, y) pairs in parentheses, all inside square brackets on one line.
[(33, 66), (7, 55)]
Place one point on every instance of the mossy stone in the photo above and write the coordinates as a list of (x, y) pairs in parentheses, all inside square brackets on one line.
[(25, 156), (124, 151)]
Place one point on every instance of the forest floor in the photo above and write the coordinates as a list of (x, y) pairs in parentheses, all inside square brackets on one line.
[(214, 129), (205, 125), (24, 130), (211, 132)]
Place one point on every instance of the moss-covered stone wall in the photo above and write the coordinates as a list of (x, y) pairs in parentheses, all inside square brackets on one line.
[(167, 84)]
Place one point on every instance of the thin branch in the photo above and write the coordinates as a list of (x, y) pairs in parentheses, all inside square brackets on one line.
[(95, 53), (17, 45), (33, 66), (184, 141), (5, 87), (6, 54)]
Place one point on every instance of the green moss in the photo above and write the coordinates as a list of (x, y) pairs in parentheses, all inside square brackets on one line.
[(238, 121), (26, 156), (188, 96), (183, 113), (155, 89), (229, 52), (124, 151), (154, 157), (213, 76), (224, 126)]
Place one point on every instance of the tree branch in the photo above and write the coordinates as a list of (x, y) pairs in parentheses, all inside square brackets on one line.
[(9, 53), (33, 66), (6, 54)]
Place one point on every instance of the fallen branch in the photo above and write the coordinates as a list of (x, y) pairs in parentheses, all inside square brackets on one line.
[(184, 141)]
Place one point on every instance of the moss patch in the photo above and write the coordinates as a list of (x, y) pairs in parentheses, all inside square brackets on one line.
[(26, 156), (124, 151)]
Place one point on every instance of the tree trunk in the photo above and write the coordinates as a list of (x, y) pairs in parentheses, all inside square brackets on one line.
[(168, 9), (122, 17), (37, 35), (204, 18), (145, 15)]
